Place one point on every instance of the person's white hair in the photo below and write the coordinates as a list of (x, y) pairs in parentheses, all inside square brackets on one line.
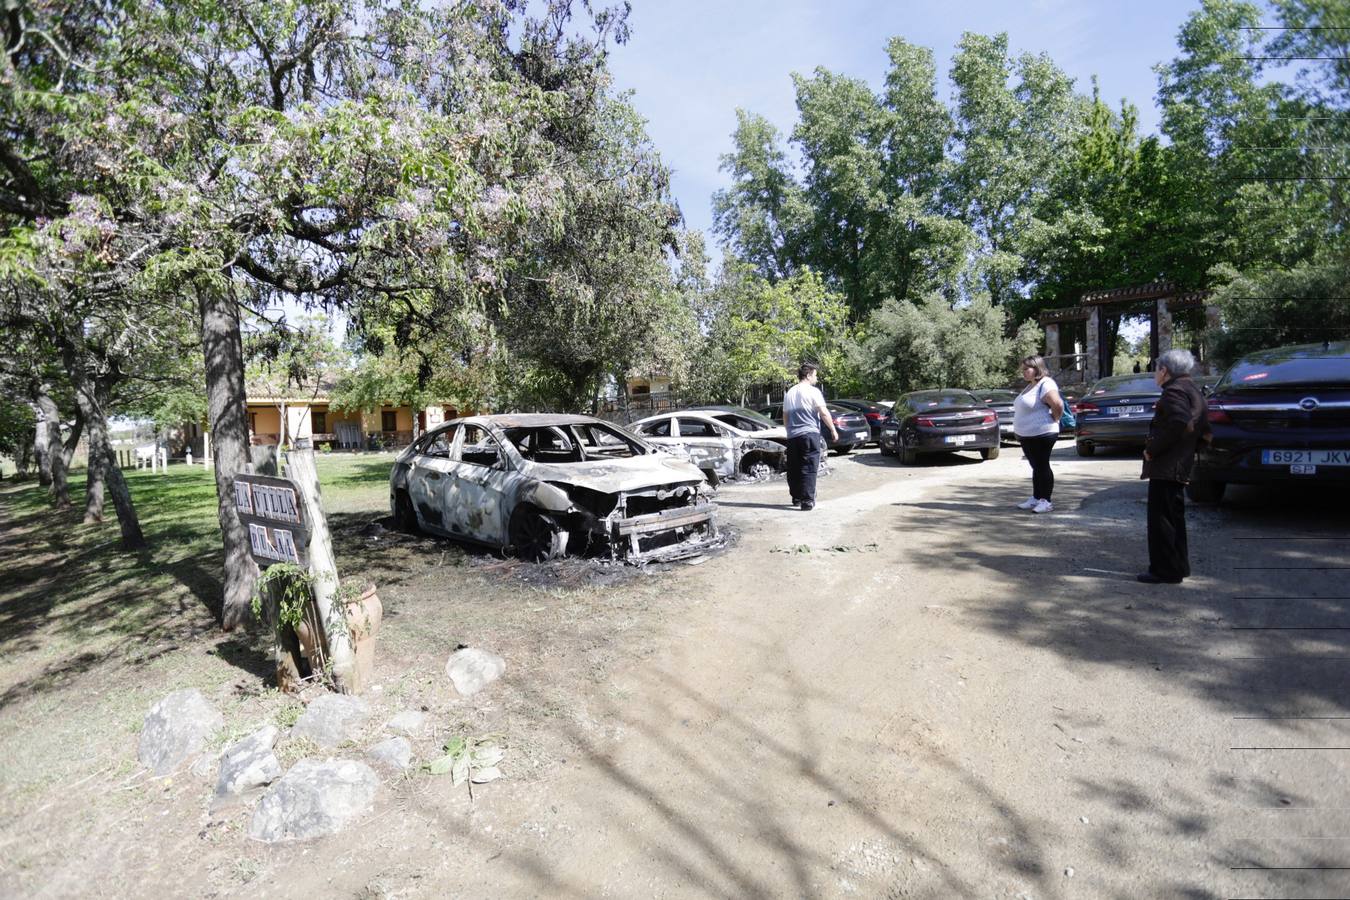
[(1177, 362)]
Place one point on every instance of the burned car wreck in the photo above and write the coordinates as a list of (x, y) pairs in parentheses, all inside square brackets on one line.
[(542, 486), (724, 442)]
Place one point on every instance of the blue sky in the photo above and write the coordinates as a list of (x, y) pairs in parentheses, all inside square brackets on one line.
[(691, 63)]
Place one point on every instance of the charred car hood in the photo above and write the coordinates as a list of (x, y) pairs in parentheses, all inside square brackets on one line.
[(611, 476)]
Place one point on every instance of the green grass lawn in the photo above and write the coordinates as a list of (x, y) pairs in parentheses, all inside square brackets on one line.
[(71, 592)]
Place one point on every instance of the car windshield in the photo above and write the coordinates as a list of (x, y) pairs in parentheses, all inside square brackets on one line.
[(574, 443), (942, 400), (751, 422), (996, 396), (1125, 384), (1293, 366)]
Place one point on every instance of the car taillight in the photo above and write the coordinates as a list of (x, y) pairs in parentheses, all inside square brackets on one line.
[(989, 419), (1086, 408), (924, 421), (1218, 415), (873, 417), (839, 421)]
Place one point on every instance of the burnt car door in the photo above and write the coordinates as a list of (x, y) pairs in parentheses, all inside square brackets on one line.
[(475, 486), (710, 446), (427, 472)]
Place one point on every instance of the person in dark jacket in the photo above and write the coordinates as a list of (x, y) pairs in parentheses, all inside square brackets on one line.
[(1180, 421)]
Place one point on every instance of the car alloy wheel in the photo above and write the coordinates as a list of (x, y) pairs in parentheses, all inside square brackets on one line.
[(907, 456)]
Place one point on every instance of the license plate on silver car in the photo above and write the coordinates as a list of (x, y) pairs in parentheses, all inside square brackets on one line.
[(959, 438), (1305, 458)]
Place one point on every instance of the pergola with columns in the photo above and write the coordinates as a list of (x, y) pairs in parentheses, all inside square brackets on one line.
[(1092, 345)]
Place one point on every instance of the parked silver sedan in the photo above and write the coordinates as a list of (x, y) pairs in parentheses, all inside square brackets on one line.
[(544, 485), (724, 444)]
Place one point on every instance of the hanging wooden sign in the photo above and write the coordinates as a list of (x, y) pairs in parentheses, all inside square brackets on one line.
[(271, 510)]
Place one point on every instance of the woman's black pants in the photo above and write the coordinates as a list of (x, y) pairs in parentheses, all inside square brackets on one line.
[(1037, 450), (1168, 556)]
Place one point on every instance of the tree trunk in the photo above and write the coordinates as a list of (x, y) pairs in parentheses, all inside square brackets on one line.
[(46, 417), (49, 433), (101, 460), (23, 456), (74, 440), (227, 413), (91, 397), (94, 479)]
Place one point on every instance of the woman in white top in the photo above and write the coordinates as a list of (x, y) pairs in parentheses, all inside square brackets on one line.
[(1036, 413)]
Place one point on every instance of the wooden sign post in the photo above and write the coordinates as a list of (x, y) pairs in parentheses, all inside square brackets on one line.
[(286, 524)]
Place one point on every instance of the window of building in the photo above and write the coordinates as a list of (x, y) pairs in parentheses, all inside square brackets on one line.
[(389, 421), (253, 422), (320, 422)]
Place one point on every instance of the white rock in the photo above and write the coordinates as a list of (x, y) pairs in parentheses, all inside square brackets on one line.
[(248, 764), (313, 799), (176, 729), (410, 722), (332, 719), (395, 753), (472, 669)]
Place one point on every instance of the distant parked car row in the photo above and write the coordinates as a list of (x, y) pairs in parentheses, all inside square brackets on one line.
[(852, 426), (545, 485)]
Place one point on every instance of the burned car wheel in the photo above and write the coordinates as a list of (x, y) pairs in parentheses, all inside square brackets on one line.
[(757, 469), (405, 519), (536, 536)]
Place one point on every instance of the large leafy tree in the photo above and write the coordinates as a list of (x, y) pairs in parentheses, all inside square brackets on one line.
[(1015, 121), (392, 161), (934, 344), (758, 332)]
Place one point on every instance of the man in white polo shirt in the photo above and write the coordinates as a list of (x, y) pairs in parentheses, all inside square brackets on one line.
[(804, 412)]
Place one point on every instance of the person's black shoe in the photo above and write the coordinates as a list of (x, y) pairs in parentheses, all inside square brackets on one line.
[(807, 507), (1150, 578)]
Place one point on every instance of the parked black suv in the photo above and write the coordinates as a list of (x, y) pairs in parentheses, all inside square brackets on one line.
[(1278, 415)]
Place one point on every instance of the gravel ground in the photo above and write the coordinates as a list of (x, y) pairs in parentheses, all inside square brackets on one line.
[(913, 690)]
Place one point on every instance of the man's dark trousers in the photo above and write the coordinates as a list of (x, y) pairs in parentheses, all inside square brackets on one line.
[(1168, 557), (803, 461)]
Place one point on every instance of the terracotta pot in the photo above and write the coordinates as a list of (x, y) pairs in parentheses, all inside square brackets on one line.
[(364, 616)]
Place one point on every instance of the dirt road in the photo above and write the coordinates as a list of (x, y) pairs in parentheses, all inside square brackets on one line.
[(915, 690), (919, 690)]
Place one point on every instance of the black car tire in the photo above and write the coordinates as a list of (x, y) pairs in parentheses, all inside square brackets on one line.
[(907, 456), (536, 536), (405, 518), (1206, 490), (1085, 449), (844, 450), (989, 453), (885, 451)]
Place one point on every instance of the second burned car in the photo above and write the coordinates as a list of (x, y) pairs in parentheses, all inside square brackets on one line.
[(545, 485), (724, 442)]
